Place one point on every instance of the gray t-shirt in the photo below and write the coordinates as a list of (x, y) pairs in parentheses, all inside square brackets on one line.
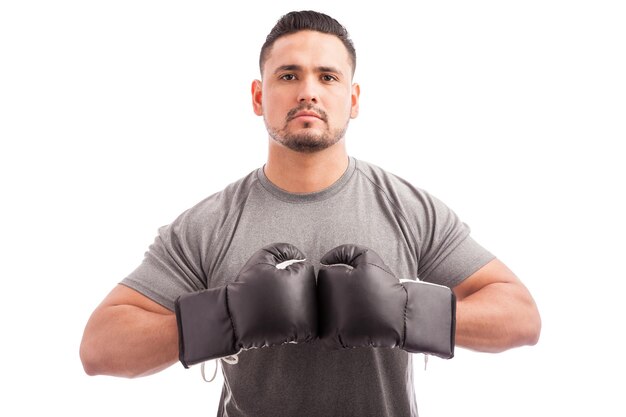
[(414, 233)]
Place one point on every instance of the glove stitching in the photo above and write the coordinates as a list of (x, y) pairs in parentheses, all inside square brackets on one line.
[(341, 342), (406, 305), (381, 268), (232, 323)]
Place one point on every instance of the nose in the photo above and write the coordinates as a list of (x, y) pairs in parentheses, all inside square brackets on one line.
[(308, 91)]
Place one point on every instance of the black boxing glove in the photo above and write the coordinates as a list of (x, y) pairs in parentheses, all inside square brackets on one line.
[(361, 303), (271, 302)]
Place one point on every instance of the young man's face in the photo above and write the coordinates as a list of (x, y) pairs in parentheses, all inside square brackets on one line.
[(306, 97)]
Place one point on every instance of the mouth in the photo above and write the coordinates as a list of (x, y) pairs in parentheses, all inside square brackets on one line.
[(305, 114)]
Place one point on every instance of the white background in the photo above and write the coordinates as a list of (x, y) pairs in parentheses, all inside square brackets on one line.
[(116, 116)]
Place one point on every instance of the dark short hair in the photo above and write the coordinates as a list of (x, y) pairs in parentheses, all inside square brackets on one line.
[(307, 20)]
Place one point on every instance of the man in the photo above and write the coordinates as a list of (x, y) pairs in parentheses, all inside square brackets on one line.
[(312, 195)]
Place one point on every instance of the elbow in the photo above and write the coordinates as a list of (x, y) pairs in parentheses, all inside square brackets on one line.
[(93, 358), (529, 331), (524, 333), (96, 361), (534, 330), (89, 359), (522, 330)]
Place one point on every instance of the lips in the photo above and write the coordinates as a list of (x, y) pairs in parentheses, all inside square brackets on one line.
[(306, 114), (300, 112)]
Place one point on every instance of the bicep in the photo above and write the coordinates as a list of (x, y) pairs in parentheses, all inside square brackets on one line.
[(493, 273), (128, 335), (123, 295)]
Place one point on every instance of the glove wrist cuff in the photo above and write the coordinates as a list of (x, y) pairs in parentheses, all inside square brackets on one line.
[(430, 319), (205, 329)]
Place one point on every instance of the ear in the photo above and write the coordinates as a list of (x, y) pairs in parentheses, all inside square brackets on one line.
[(257, 97), (354, 109)]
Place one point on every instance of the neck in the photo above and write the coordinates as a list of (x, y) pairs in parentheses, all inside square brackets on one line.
[(298, 172)]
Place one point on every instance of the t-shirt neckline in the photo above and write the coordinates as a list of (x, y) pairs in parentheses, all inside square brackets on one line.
[(307, 197)]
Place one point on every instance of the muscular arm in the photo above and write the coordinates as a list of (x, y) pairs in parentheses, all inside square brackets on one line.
[(129, 335), (495, 311)]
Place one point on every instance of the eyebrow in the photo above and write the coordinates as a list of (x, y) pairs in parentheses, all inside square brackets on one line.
[(299, 68)]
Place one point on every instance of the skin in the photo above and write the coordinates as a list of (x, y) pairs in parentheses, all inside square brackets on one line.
[(129, 335), (300, 71)]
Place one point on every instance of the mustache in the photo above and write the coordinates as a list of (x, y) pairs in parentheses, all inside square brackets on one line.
[(308, 107)]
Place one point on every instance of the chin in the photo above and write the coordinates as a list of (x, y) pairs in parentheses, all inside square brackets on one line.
[(307, 140)]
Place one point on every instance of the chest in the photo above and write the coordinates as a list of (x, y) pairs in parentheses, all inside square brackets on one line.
[(315, 228)]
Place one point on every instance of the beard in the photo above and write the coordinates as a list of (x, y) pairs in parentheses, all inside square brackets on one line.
[(308, 140)]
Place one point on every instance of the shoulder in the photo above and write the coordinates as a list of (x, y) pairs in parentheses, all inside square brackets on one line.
[(400, 192), (218, 207), (231, 196)]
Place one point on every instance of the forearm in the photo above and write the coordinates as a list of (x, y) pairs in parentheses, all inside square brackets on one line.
[(128, 341), (498, 317)]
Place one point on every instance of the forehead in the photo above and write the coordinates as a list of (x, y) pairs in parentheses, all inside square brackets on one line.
[(308, 49)]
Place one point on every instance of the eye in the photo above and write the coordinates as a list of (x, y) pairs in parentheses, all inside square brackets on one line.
[(328, 78), (288, 77)]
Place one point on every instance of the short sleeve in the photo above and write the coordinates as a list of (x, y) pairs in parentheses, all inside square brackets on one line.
[(447, 252), (171, 266)]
